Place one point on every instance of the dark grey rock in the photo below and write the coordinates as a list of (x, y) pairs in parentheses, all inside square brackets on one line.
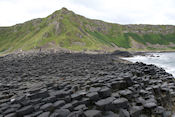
[(25, 110), (34, 90), (167, 114), (59, 104), (67, 99), (35, 114), (10, 110), (106, 104), (118, 85), (41, 94), (159, 111), (93, 96), (50, 99), (81, 107), (11, 115), (105, 92), (47, 107), (61, 113), (140, 101), (85, 101), (136, 111), (116, 95), (150, 105), (45, 114), (126, 93), (76, 114), (75, 103), (60, 94), (94, 89), (67, 106), (121, 103), (124, 113), (93, 113), (76, 96), (17, 106), (110, 114)]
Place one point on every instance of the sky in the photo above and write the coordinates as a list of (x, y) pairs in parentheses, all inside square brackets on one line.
[(115, 11)]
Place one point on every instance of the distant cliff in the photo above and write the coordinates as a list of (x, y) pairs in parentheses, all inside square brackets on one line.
[(65, 29)]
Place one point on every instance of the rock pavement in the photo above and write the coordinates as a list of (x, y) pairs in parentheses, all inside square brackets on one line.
[(82, 85)]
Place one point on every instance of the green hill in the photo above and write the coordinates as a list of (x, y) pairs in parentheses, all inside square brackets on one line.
[(68, 30)]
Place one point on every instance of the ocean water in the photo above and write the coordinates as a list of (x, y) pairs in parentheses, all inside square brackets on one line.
[(163, 60)]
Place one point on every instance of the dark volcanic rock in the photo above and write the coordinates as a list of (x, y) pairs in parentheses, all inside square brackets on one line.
[(122, 53), (93, 96), (121, 103), (106, 104), (47, 107), (61, 113), (59, 104), (124, 113), (25, 110), (83, 85), (105, 92), (93, 113)]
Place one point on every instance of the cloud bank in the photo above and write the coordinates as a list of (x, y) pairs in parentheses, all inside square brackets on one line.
[(116, 11)]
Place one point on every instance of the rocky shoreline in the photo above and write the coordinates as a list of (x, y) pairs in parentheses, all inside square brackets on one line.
[(82, 85)]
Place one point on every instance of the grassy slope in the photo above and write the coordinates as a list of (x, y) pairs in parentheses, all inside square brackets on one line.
[(65, 29)]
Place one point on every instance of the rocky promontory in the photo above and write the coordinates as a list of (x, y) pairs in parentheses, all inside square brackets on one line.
[(82, 85)]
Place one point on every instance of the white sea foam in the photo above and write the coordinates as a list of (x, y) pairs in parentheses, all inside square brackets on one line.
[(164, 60)]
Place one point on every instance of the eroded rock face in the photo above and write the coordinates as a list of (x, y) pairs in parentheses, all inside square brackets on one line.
[(82, 85)]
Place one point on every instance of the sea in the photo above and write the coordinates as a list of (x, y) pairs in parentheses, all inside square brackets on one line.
[(163, 60)]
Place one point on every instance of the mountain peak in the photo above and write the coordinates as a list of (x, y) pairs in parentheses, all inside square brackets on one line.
[(64, 9)]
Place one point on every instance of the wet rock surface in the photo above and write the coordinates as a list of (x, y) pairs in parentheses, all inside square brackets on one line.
[(82, 85)]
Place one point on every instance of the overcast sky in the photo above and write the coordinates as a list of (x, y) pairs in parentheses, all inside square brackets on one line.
[(116, 11)]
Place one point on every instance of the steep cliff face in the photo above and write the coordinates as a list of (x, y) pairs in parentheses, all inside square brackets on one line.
[(66, 29)]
